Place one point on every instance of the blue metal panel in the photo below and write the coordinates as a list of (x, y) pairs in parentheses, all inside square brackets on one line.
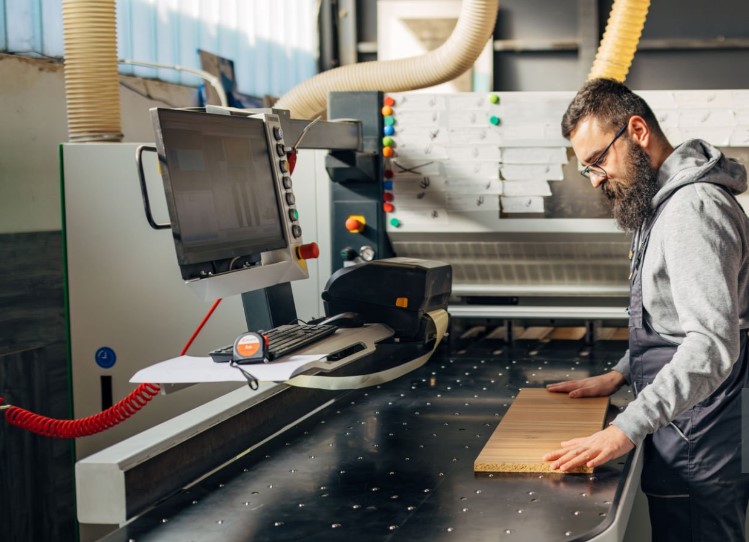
[(273, 42), (3, 33), (51, 28)]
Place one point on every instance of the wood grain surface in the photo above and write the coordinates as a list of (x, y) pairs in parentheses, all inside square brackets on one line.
[(535, 424)]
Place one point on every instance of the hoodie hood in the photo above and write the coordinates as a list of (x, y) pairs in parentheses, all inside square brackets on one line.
[(696, 161)]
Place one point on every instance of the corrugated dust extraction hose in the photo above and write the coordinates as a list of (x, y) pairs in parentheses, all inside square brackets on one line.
[(619, 42), (473, 29)]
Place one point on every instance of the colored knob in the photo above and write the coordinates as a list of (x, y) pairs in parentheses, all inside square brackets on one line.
[(356, 223), (387, 111), (494, 120), (388, 130), (388, 196), (388, 173), (388, 207), (394, 222), (291, 156), (387, 141), (389, 100), (308, 252), (387, 152), (387, 185), (389, 121), (493, 98), (293, 214), (348, 254)]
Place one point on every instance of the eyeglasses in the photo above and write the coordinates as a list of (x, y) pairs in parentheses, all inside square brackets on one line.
[(594, 170)]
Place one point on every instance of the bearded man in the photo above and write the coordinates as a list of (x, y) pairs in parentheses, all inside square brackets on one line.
[(688, 359)]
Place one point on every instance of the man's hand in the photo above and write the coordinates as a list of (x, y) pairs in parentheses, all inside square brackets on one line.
[(594, 386), (591, 451)]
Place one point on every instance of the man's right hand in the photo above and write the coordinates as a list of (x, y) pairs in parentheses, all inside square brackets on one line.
[(593, 386)]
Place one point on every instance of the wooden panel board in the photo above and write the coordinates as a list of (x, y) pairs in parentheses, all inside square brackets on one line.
[(535, 424)]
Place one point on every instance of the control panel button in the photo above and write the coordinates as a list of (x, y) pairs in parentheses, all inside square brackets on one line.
[(284, 166), (290, 198), (367, 253), (355, 223), (277, 133), (286, 182), (296, 231), (280, 150), (388, 207), (348, 254), (293, 214), (308, 251)]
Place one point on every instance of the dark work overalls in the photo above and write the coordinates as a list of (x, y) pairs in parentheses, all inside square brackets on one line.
[(692, 467)]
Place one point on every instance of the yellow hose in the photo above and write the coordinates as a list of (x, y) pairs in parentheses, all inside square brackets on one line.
[(452, 58), (91, 80), (619, 42)]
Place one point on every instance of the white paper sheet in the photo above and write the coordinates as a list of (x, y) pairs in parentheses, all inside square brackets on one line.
[(410, 216), (475, 134), (483, 170), (418, 101), (474, 186), (525, 188), (465, 101), (462, 203), (533, 155), (533, 172), (191, 369), (489, 153), (529, 204), (410, 184)]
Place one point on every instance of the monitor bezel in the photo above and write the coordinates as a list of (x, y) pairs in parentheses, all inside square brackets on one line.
[(199, 262)]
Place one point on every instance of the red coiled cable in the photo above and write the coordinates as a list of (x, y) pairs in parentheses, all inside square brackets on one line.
[(90, 425)]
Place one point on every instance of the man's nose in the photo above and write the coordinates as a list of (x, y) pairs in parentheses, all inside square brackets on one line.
[(597, 181)]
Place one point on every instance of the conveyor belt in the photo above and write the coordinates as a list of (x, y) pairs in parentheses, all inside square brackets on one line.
[(395, 463)]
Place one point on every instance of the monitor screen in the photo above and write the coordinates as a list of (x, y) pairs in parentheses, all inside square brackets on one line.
[(220, 189)]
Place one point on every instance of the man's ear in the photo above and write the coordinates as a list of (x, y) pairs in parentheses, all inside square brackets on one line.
[(639, 131)]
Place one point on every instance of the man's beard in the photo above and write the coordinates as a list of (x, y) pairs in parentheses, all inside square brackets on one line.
[(632, 204)]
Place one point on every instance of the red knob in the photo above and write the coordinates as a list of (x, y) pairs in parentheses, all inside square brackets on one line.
[(309, 251), (291, 157), (388, 196), (388, 207)]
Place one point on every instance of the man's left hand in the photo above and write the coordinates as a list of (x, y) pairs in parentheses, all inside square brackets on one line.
[(590, 451)]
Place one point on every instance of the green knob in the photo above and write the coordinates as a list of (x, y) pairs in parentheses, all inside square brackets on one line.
[(387, 141), (394, 222), (493, 98), (389, 121), (494, 120)]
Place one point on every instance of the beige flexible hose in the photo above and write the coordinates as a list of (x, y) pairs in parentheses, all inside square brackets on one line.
[(91, 80), (452, 58), (619, 42)]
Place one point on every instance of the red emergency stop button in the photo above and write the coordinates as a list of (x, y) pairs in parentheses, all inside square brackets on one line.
[(355, 223), (309, 251)]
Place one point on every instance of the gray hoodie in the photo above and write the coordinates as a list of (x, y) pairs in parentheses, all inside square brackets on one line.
[(695, 284)]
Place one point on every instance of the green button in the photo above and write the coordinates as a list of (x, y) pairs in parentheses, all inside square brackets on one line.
[(493, 98), (294, 214), (387, 141), (494, 120), (394, 222), (389, 121)]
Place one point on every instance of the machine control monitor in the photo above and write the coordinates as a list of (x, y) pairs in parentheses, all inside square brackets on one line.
[(220, 178)]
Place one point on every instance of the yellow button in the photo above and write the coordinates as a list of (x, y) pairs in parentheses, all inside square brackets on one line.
[(401, 302)]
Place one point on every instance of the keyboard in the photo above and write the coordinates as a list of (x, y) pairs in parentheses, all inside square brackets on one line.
[(282, 340)]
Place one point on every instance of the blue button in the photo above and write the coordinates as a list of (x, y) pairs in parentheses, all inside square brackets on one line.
[(389, 130), (387, 185), (105, 357)]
